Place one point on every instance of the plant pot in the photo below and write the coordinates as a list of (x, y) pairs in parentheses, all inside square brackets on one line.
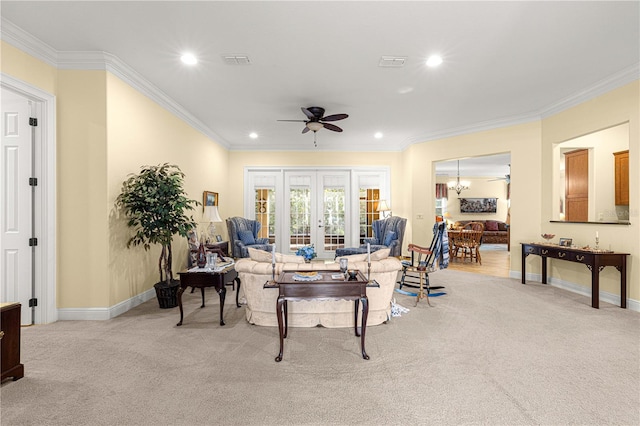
[(167, 294)]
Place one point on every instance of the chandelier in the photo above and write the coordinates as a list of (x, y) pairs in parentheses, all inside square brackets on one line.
[(457, 185)]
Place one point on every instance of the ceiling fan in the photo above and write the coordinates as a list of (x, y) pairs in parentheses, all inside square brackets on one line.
[(316, 120), (506, 178)]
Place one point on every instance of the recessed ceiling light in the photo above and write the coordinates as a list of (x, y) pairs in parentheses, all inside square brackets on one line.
[(253, 135), (434, 61), (189, 59), (378, 135)]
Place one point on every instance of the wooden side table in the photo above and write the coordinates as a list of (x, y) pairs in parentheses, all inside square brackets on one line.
[(204, 279)]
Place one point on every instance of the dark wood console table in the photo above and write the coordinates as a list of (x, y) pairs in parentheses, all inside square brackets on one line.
[(10, 340), (594, 260), (326, 288), (197, 279)]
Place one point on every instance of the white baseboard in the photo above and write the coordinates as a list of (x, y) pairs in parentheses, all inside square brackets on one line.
[(101, 314), (605, 296)]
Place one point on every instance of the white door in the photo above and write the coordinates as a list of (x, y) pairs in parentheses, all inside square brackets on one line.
[(315, 210), (16, 202), (333, 201)]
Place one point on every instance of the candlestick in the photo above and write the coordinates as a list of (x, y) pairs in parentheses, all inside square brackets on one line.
[(368, 262), (273, 254), (597, 234)]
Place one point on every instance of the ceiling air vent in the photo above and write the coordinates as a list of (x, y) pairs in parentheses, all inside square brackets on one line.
[(392, 61), (236, 60)]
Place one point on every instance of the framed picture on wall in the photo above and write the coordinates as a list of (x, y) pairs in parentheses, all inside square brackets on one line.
[(478, 205), (209, 199)]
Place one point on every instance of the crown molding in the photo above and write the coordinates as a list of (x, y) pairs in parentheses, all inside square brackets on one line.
[(472, 128), (603, 86), (79, 60), (24, 41)]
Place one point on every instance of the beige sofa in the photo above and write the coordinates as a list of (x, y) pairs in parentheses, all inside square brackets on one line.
[(261, 303)]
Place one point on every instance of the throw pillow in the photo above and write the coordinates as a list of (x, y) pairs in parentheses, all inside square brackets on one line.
[(246, 237), (380, 254), (491, 225), (389, 236), (260, 255)]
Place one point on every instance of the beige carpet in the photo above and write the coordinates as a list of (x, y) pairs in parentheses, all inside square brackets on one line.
[(492, 351)]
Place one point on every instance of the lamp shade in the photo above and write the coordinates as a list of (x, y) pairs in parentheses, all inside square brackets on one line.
[(382, 206), (211, 213)]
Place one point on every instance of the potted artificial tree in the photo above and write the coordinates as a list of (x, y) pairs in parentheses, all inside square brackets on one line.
[(156, 206)]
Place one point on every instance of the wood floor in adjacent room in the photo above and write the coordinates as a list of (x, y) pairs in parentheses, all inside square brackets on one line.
[(495, 261)]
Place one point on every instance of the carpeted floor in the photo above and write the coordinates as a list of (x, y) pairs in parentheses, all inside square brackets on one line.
[(492, 351)]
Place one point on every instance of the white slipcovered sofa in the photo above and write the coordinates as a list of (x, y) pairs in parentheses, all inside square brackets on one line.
[(255, 270)]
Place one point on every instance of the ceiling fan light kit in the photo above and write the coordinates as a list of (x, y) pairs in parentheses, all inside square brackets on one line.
[(317, 120)]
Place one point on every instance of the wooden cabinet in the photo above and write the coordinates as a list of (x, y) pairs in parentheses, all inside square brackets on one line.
[(621, 160), (10, 341)]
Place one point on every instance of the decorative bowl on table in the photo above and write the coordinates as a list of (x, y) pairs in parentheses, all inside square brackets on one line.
[(547, 237)]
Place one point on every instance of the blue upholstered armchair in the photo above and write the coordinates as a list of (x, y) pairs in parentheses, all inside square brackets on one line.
[(243, 233), (388, 233)]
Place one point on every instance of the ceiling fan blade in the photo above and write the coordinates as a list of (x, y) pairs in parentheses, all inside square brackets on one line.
[(297, 121), (333, 127), (305, 130), (308, 113), (334, 117)]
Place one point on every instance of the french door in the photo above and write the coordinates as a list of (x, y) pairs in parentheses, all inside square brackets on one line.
[(316, 208), (329, 208)]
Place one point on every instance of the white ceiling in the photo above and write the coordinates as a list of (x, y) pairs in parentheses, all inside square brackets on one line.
[(504, 62)]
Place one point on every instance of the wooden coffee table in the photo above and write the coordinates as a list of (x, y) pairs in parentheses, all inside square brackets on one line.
[(203, 279), (326, 288)]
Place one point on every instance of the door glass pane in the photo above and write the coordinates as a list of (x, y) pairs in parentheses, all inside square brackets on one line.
[(334, 218), (300, 217), (265, 210), (368, 205)]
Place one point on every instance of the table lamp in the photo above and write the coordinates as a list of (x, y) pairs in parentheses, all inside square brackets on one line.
[(211, 213), (383, 208)]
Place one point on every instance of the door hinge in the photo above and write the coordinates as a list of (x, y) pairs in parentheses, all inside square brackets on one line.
[(33, 242), (33, 302), (33, 121), (33, 181)]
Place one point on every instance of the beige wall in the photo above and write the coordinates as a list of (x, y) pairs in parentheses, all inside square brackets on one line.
[(479, 187), (143, 133), (616, 107), (522, 142), (81, 188), (27, 68)]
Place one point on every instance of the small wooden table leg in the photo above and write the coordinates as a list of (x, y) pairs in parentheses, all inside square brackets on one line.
[(223, 293), (279, 312), (237, 280), (365, 314), (180, 291), (355, 319)]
